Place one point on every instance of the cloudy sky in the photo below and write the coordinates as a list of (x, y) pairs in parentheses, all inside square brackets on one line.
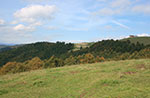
[(26, 21)]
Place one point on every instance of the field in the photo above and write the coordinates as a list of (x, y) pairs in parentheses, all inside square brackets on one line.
[(113, 79)]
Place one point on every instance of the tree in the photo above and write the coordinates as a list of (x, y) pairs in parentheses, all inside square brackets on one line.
[(70, 61), (33, 64), (12, 67), (53, 62), (88, 58)]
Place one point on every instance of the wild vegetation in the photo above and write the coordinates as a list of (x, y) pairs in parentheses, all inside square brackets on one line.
[(114, 79), (49, 55), (43, 50)]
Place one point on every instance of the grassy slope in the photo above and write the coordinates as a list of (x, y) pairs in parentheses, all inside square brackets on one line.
[(121, 79), (83, 45), (144, 40)]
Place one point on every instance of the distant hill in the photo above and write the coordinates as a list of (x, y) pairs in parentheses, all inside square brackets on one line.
[(8, 47), (142, 40), (43, 50), (3, 46)]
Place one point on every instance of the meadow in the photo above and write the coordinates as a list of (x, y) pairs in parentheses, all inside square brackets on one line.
[(111, 79)]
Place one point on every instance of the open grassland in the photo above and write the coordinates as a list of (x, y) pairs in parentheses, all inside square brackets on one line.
[(114, 79)]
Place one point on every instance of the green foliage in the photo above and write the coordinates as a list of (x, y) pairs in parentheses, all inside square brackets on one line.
[(38, 83), (70, 61), (53, 62), (43, 50), (3, 92), (110, 82), (110, 48), (51, 55)]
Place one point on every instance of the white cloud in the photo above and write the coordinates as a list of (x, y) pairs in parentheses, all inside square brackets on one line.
[(74, 41), (36, 24), (2, 22), (141, 9), (120, 24), (114, 7), (51, 27), (9, 35), (34, 13), (26, 20), (120, 3), (21, 27), (14, 22), (108, 12), (32, 16), (143, 34)]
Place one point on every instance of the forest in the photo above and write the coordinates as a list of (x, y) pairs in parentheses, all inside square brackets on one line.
[(42, 55)]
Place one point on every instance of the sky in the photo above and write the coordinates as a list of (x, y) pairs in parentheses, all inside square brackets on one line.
[(28, 21)]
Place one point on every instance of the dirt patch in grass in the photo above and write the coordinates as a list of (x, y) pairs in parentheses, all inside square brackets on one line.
[(105, 85), (129, 73), (122, 76), (23, 83), (83, 94), (74, 72), (54, 77), (141, 67)]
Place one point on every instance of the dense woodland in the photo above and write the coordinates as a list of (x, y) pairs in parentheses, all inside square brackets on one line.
[(49, 55)]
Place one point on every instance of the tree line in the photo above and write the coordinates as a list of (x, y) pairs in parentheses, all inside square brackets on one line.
[(50, 55)]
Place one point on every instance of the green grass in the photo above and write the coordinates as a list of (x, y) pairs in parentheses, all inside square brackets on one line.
[(144, 40), (114, 79)]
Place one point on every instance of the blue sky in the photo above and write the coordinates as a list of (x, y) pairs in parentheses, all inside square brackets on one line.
[(26, 21)]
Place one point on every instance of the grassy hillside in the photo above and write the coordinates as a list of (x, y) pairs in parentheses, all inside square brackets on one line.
[(144, 40), (83, 45), (115, 79)]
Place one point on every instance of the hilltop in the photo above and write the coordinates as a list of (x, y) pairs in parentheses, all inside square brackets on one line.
[(114, 79), (142, 40)]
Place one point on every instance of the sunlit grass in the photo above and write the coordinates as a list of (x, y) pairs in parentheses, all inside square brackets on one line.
[(114, 79)]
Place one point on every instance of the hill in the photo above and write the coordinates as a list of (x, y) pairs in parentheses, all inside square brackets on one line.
[(9, 47), (142, 40), (2, 46), (43, 50), (108, 49), (114, 79)]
